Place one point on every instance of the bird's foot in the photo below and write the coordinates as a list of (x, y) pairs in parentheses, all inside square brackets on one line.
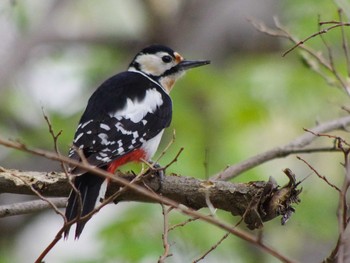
[(157, 171)]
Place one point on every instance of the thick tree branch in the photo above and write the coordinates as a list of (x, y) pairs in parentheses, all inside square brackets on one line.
[(263, 204), (254, 201)]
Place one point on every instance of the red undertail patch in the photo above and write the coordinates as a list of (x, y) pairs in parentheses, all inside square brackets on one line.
[(134, 156)]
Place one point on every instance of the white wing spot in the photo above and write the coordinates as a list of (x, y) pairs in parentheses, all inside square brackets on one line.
[(86, 123), (120, 128), (105, 127), (120, 150), (104, 139), (103, 159), (78, 137), (88, 132)]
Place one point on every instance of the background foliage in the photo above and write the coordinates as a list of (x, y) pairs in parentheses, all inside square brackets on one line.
[(248, 100)]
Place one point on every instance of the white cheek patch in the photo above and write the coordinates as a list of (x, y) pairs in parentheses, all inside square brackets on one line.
[(152, 64), (135, 110)]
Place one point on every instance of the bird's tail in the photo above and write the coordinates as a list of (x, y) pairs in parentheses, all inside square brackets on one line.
[(91, 188)]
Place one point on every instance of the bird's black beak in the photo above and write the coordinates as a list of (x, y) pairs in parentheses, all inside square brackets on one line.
[(187, 64)]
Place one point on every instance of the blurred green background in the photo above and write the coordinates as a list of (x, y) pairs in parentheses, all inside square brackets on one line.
[(53, 54)]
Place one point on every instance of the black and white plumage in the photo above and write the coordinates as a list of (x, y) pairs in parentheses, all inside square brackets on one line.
[(123, 122)]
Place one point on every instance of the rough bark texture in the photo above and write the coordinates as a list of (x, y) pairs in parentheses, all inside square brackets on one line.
[(256, 202)]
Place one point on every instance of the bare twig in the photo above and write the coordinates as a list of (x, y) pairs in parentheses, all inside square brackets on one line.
[(37, 193), (338, 140), (319, 33), (57, 238), (319, 60), (206, 163), (294, 147), (183, 223), (318, 174), (338, 253), (282, 32), (344, 41), (175, 159), (31, 206), (167, 146), (166, 244), (51, 131), (212, 248), (334, 71)]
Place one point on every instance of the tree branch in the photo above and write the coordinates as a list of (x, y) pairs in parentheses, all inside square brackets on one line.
[(262, 201), (294, 147), (30, 207), (236, 198)]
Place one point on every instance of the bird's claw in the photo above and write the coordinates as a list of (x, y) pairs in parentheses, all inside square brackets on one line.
[(159, 172)]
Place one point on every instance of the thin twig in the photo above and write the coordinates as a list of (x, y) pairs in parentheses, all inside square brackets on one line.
[(344, 41), (319, 33), (296, 146), (318, 174), (51, 131), (320, 60), (330, 57), (212, 248), (57, 238), (63, 166), (338, 251), (183, 223), (84, 218), (206, 163), (167, 146), (336, 138), (166, 244), (175, 159), (45, 199)]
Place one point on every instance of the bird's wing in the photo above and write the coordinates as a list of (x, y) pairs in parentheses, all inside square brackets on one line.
[(134, 111)]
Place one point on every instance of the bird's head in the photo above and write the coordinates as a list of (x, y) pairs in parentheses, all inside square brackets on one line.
[(163, 64)]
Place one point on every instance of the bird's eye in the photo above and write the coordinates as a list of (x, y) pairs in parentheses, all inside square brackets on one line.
[(167, 59)]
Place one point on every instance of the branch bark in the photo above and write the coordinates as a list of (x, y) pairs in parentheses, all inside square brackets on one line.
[(254, 201), (30, 207)]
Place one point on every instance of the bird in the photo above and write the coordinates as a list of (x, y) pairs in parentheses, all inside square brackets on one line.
[(123, 122)]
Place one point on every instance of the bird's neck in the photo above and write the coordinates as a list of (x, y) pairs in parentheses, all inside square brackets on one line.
[(166, 83)]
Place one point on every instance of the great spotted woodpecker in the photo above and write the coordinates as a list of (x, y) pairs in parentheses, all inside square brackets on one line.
[(123, 122)]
